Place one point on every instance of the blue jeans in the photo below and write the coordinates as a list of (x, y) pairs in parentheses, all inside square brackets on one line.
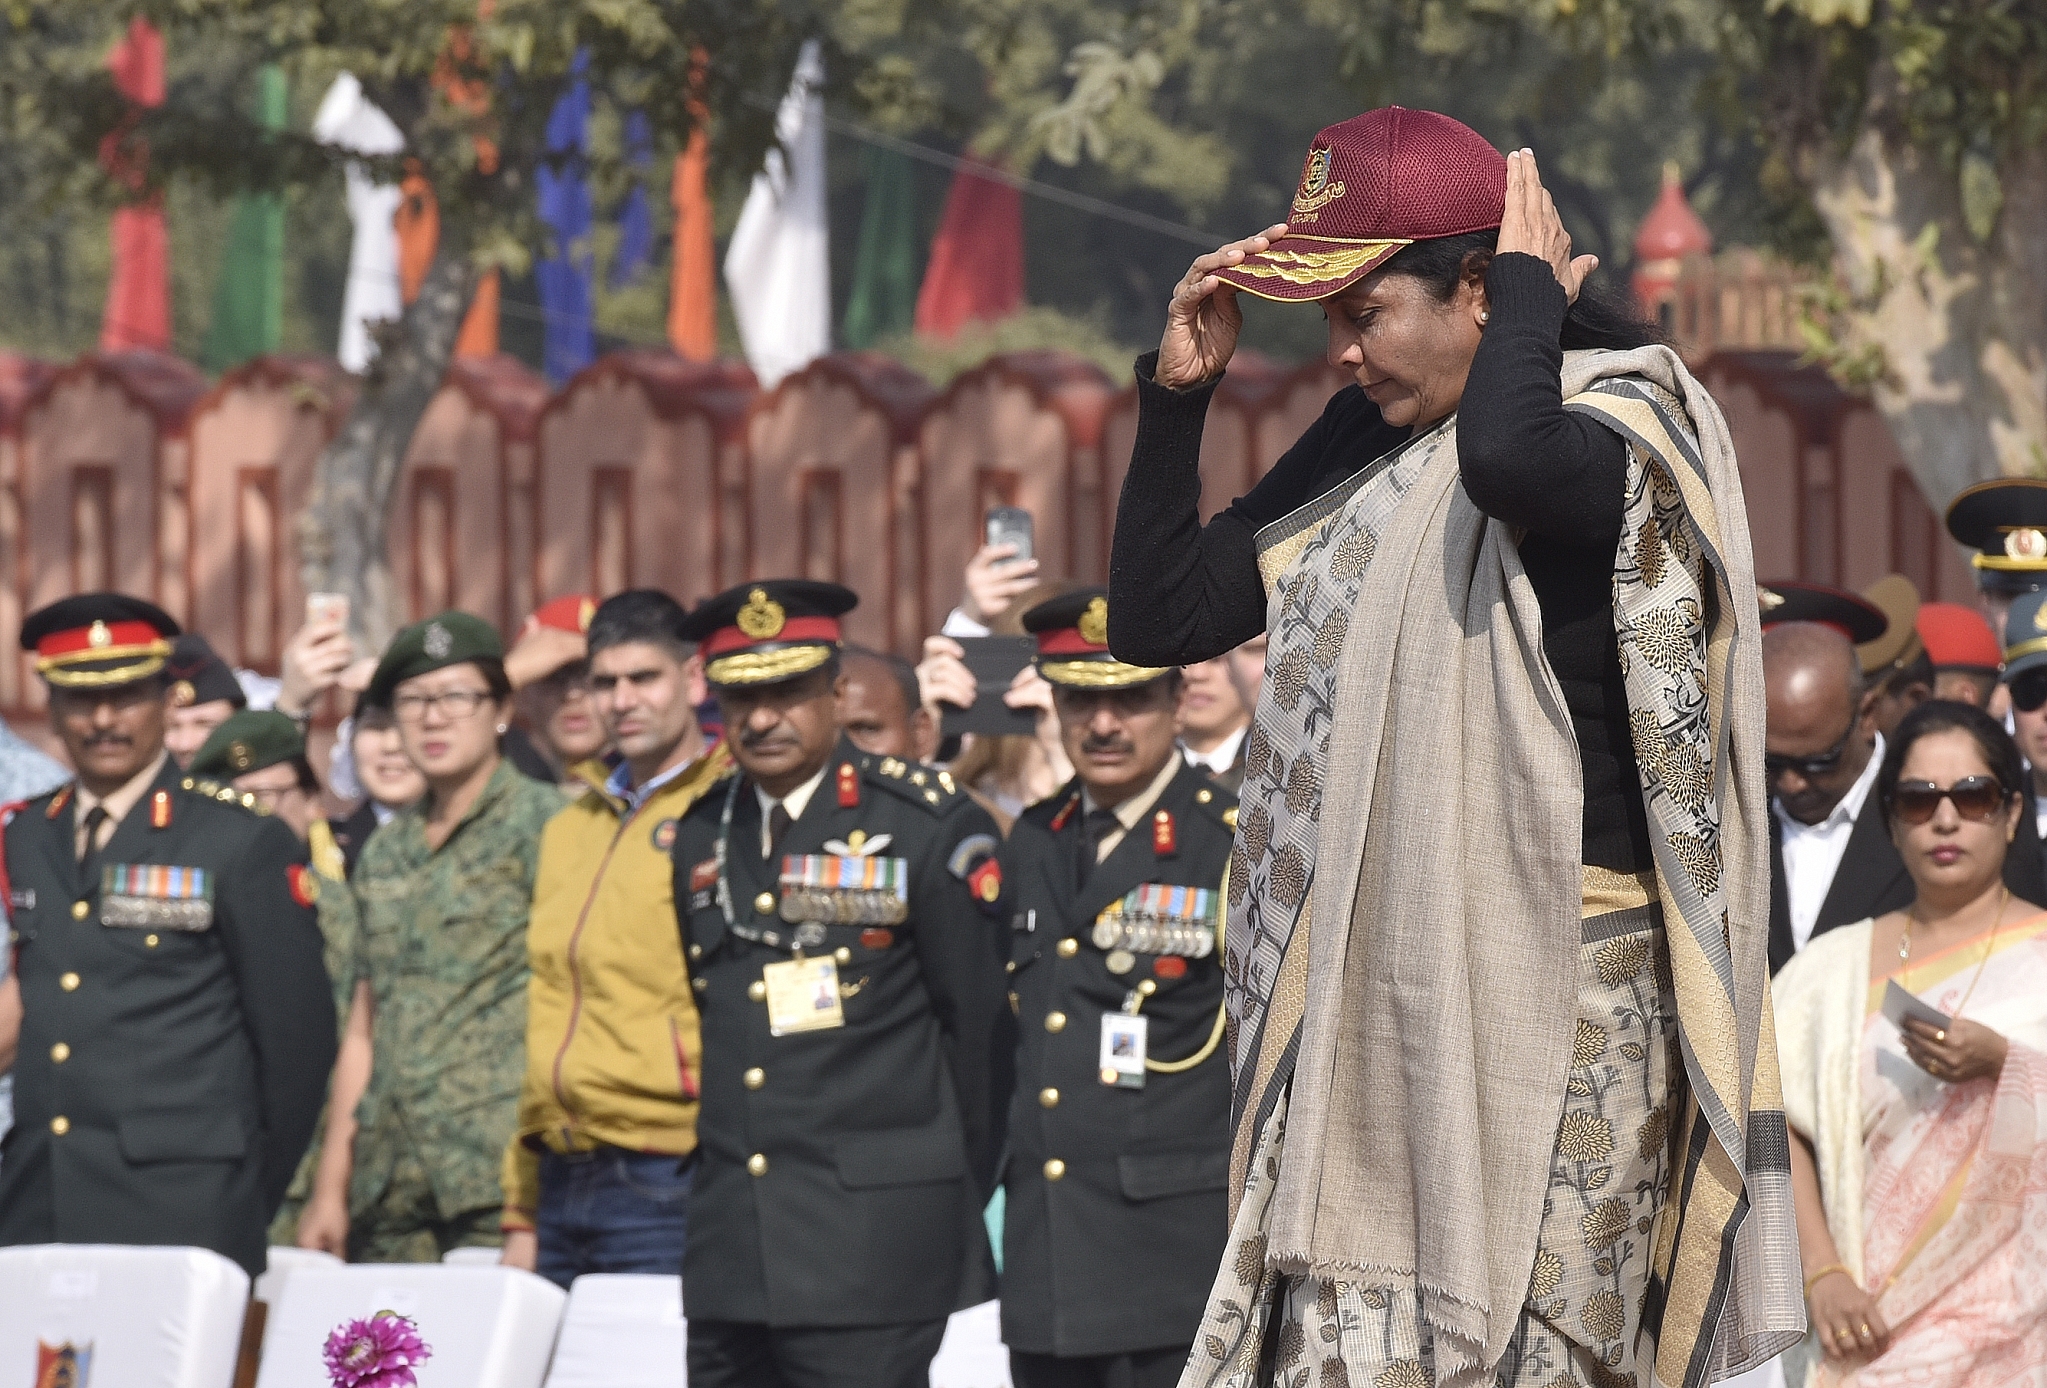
[(612, 1211)]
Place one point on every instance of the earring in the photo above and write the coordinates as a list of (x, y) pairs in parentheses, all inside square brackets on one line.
[(1485, 315), (503, 728)]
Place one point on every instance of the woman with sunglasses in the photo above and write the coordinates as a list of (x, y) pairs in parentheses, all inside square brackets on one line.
[(1919, 1142)]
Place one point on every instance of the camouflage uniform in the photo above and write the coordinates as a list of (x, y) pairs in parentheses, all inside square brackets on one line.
[(443, 947)]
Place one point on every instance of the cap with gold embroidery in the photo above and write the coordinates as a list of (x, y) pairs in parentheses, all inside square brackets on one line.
[(1073, 643), (248, 741), (198, 676), (1788, 600), (773, 629), (2005, 521), (98, 640)]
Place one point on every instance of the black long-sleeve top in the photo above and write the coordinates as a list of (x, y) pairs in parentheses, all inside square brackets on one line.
[(1182, 592)]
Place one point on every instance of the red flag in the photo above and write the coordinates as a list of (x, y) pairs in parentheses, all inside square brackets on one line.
[(138, 310), (976, 270)]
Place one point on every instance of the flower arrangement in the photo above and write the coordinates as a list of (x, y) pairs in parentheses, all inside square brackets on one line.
[(379, 1351)]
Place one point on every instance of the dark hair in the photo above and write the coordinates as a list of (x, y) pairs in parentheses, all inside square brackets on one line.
[(1599, 317), (492, 668), (639, 614), (2000, 753), (308, 782), (899, 670), (1918, 670)]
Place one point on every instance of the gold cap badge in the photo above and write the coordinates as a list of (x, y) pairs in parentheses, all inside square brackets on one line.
[(1094, 622), (183, 694), (1768, 600), (2025, 543), (238, 753), (762, 618), (98, 637)]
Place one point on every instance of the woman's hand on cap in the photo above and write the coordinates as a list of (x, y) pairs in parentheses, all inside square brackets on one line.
[(1203, 319), (1531, 225)]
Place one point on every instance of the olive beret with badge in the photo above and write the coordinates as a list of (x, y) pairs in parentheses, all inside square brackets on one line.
[(1790, 600), (199, 676), (2005, 522), (248, 741), (767, 631), (98, 640), (448, 638), (1072, 632)]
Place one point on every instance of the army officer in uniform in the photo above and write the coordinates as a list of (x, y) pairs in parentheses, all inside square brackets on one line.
[(1119, 1129), (177, 1027), (837, 912)]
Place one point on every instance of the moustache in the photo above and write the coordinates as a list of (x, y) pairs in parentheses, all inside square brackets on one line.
[(1099, 745), (751, 739), (110, 740)]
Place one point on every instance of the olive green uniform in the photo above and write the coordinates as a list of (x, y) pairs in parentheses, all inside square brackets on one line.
[(443, 948)]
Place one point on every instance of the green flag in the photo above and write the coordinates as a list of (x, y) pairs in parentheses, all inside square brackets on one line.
[(884, 299), (248, 300)]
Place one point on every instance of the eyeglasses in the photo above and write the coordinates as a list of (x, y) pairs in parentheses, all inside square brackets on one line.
[(270, 797), (2029, 690), (1977, 798), (456, 703), (1808, 768)]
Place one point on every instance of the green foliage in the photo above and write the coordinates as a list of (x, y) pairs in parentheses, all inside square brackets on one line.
[(938, 361)]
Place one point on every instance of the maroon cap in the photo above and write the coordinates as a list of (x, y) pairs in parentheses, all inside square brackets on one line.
[(1371, 185)]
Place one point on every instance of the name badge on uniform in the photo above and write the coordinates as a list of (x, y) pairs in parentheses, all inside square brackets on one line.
[(1160, 919), (803, 995), (156, 896), (829, 890), (1122, 1059)]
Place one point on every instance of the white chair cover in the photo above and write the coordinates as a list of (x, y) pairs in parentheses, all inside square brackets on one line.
[(282, 1262), (622, 1330), (972, 1354), (147, 1317), (466, 1257), (487, 1327)]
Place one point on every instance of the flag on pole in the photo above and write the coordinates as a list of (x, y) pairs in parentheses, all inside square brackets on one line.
[(564, 274), (692, 278), (976, 272), (138, 308), (884, 299), (349, 120), (248, 299), (635, 219), (777, 268)]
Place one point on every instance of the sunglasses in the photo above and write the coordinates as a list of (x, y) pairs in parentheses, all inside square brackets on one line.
[(1977, 798), (1808, 768), (2029, 690)]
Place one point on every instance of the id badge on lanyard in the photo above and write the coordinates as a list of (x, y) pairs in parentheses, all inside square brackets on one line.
[(803, 995), (1122, 1057)]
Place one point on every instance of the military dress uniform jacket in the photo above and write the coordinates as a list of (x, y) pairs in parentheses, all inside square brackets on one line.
[(842, 1172), (176, 1035), (1117, 1206)]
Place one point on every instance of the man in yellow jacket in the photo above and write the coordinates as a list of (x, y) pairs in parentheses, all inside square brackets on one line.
[(597, 1177)]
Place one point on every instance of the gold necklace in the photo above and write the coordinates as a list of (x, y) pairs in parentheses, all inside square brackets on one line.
[(1996, 924)]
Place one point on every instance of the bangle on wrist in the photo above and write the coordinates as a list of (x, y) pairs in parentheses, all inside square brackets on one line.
[(1828, 1271)]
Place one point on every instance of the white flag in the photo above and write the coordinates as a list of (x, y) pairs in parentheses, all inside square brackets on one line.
[(349, 120), (777, 268)]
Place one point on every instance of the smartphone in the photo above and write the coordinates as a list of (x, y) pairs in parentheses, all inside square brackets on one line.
[(994, 661), (323, 608), (1011, 525)]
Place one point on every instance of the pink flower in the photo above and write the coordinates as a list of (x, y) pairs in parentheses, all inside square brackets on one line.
[(378, 1352)]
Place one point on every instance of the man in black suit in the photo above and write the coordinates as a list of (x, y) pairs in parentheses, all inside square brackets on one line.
[(176, 1025), (837, 912), (1117, 1206)]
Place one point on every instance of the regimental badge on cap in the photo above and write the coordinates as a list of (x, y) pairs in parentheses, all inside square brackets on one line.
[(183, 694), (2025, 543), (1094, 621), (100, 636), (1769, 599), (762, 618), (1072, 632), (1316, 192), (437, 642), (238, 754)]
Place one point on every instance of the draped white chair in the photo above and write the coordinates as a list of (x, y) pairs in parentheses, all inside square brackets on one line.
[(137, 1317), (488, 1327), (621, 1330)]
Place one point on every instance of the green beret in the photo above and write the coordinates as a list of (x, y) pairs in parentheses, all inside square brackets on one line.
[(448, 638), (250, 740)]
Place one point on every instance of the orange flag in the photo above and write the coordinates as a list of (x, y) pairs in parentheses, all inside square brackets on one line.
[(418, 224), (692, 282)]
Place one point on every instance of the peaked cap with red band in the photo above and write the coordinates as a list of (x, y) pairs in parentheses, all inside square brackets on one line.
[(1959, 638), (771, 630), (1370, 186), (98, 640), (1856, 618), (1072, 631)]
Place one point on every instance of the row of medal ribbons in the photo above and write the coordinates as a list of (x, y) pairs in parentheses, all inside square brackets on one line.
[(832, 890), (1158, 919)]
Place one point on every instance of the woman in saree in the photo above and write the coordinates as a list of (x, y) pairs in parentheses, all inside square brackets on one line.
[(1919, 1147), (1505, 1097)]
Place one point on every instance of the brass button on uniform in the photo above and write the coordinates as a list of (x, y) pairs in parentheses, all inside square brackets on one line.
[(60, 1125), (68, 982), (1048, 1098), (754, 1078), (842, 955), (1054, 1169), (756, 1165), (150, 940), (696, 951), (765, 903), (1068, 947), (80, 910), (1055, 1021), (757, 991), (1202, 797), (1147, 986), (700, 984), (60, 1052)]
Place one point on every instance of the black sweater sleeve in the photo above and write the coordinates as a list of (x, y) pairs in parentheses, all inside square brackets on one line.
[(1525, 459), (1179, 591)]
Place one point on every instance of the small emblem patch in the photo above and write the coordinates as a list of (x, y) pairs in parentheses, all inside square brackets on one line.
[(438, 641), (704, 875), (305, 888), (664, 835)]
